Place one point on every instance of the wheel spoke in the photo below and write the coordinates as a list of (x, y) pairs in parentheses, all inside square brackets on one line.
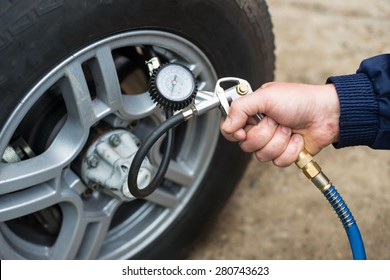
[(106, 78), (71, 235), (77, 97), (35, 171), (138, 106), (180, 173), (18, 204), (106, 82), (44, 167), (196, 69), (108, 90), (94, 235), (16, 247), (163, 198), (82, 231)]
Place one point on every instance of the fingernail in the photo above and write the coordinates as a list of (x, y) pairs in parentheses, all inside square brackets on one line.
[(227, 123), (271, 122), (296, 138), (235, 137)]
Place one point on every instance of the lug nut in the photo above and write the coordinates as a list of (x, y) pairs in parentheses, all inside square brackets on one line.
[(114, 140), (92, 161)]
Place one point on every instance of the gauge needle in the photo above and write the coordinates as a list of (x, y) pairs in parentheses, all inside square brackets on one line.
[(174, 82)]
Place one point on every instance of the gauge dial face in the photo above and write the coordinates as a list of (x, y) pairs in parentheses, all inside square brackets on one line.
[(175, 82)]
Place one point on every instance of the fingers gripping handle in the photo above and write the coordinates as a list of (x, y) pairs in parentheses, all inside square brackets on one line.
[(304, 161), (312, 171)]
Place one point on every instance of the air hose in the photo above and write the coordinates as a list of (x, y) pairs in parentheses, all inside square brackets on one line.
[(165, 127), (348, 221), (313, 172)]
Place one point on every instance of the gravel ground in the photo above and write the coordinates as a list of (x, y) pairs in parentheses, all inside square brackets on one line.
[(276, 213)]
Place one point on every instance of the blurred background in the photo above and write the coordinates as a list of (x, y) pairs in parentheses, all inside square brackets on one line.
[(277, 213)]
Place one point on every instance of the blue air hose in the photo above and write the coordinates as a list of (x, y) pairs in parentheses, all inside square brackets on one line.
[(348, 221), (313, 172)]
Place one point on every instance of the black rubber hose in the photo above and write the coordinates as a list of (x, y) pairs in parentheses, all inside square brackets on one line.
[(165, 127)]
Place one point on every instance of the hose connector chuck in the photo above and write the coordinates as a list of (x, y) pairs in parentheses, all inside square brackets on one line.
[(312, 170)]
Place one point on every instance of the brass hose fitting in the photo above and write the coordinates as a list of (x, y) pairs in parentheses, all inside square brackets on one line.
[(312, 170)]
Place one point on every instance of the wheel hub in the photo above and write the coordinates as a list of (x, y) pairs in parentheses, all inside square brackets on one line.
[(107, 161)]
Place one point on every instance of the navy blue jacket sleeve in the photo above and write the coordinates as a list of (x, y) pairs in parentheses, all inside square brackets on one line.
[(365, 104)]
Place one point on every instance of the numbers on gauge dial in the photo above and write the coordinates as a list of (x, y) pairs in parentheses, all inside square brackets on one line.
[(175, 82), (173, 86)]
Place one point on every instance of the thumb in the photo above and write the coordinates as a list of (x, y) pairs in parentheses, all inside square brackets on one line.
[(241, 110)]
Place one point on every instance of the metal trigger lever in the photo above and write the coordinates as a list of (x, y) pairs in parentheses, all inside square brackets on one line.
[(242, 88)]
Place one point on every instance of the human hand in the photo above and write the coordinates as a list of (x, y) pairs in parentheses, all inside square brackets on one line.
[(297, 116)]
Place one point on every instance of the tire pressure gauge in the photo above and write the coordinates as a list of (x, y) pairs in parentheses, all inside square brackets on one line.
[(173, 86)]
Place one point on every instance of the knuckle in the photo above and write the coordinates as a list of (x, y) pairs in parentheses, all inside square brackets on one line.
[(246, 149), (248, 146), (282, 162), (260, 156), (267, 85)]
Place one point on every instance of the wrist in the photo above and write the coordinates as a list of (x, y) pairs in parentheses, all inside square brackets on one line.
[(328, 115), (333, 107)]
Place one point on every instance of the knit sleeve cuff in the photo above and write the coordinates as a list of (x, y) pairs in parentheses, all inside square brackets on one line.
[(358, 110)]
